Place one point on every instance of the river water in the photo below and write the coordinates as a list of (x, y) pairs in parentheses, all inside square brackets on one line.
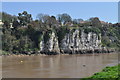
[(56, 66)]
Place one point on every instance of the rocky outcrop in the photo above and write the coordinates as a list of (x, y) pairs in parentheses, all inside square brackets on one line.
[(74, 42), (51, 46)]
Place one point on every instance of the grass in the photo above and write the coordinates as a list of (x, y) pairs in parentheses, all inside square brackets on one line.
[(108, 73)]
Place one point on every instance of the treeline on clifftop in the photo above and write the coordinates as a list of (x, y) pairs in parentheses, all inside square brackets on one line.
[(22, 34)]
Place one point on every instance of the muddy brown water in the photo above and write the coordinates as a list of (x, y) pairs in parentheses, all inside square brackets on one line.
[(56, 66)]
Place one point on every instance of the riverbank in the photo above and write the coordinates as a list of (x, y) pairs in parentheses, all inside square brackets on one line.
[(5, 53), (22, 55), (108, 73)]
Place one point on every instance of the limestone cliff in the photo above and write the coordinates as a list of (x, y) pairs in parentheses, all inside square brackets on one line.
[(51, 44), (76, 43), (73, 42)]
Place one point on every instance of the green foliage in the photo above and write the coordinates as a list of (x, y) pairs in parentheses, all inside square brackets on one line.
[(47, 35), (110, 37), (62, 32), (64, 18), (107, 73), (95, 22), (105, 41), (24, 18), (92, 29), (23, 44), (4, 52), (7, 42), (77, 21), (7, 17)]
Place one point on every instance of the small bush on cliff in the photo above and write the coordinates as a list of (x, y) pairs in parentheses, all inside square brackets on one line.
[(62, 32), (47, 35)]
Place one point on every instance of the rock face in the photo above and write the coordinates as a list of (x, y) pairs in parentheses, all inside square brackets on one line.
[(51, 46), (76, 43), (73, 42)]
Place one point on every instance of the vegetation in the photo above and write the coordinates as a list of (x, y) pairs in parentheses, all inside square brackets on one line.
[(22, 34), (63, 18), (108, 73), (61, 33), (92, 29), (4, 52), (47, 35)]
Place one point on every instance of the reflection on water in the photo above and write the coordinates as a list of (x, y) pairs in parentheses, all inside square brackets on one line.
[(56, 66)]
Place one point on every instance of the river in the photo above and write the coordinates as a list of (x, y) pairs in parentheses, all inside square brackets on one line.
[(56, 66)]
